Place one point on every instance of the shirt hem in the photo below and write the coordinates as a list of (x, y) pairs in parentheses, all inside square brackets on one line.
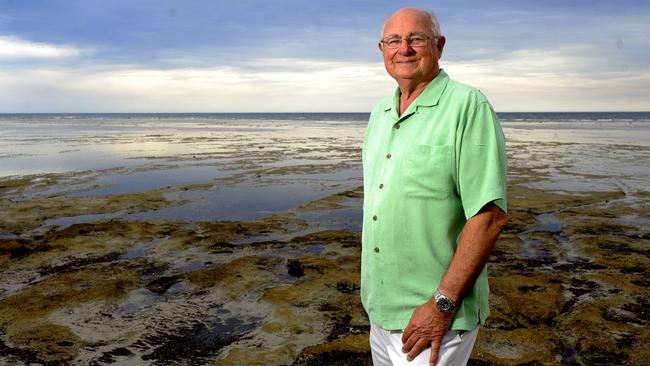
[(400, 324)]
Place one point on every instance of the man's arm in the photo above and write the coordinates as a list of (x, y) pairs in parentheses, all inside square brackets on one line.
[(428, 325)]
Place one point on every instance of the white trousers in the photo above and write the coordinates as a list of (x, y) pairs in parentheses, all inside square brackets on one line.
[(386, 347)]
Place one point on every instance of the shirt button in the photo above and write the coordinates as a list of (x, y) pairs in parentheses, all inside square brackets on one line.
[(397, 126), (388, 156), (374, 217), (381, 186), (376, 249)]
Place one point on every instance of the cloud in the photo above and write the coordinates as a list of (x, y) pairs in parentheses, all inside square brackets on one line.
[(13, 48), (568, 78), (273, 85)]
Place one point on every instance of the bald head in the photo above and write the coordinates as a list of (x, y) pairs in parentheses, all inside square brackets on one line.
[(425, 16)]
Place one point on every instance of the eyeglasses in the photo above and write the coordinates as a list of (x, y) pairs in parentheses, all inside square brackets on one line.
[(415, 40)]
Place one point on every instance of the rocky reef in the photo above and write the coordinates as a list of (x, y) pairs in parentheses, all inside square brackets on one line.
[(568, 279)]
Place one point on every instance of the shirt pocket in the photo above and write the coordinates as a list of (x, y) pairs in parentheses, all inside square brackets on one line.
[(428, 171)]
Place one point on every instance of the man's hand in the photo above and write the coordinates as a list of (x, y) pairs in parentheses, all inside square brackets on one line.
[(427, 327)]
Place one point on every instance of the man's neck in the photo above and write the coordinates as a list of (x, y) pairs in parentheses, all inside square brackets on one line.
[(411, 89)]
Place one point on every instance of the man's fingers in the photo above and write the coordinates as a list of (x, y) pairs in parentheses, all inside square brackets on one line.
[(410, 342), (434, 358), (435, 349), (407, 333), (420, 346)]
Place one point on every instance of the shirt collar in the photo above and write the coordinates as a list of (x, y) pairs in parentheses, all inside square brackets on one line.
[(429, 97)]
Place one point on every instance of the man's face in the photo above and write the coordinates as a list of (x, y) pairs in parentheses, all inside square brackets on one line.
[(416, 64)]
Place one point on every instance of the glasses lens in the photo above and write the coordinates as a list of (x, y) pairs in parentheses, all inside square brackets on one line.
[(417, 41), (393, 42)]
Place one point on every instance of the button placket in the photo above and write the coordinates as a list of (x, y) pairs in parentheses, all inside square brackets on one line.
[(377, 203)]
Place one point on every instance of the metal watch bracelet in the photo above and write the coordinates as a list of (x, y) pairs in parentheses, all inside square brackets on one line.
[(444, 303)]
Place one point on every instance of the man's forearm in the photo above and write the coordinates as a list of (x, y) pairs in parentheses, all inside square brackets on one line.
[(474, 247)]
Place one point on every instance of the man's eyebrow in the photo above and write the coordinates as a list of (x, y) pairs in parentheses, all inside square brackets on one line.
[(391, 35)]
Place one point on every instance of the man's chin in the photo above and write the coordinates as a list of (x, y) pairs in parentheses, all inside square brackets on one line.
[(407, 71), (405, 75)]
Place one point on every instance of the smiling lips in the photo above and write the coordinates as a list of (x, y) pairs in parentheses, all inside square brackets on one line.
[(405, 61)]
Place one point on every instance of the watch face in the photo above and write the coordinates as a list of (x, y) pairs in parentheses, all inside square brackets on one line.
[(444, 304)]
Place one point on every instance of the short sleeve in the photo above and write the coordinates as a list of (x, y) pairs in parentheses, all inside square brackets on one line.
[(481, 160)]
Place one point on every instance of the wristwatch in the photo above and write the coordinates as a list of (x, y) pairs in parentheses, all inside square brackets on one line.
[(444, 303)]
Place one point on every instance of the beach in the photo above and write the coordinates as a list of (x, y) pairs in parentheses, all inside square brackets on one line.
[(235, 240)]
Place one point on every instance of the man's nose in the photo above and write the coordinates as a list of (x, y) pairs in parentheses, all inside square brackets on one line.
[(404, 47)]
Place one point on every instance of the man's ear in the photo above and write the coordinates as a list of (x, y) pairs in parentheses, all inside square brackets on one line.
[(379, 44), (441, 44)]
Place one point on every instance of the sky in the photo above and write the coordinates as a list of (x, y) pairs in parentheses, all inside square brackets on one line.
[(70, 56)]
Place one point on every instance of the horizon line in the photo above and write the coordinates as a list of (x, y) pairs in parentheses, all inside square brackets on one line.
[(362, 112)]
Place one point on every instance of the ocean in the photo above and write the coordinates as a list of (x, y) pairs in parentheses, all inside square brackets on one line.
[(257, 163), (247, 165), (327, 116)]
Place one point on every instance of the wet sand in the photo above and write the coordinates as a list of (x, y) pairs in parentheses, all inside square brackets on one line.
[(95, 274)]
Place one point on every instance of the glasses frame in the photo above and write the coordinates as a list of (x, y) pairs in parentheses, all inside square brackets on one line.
[(384, 41)]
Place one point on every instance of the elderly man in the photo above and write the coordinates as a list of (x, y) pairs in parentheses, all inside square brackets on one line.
[(435, 200)]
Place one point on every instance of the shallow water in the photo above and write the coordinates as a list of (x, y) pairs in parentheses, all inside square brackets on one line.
[(221, 169), (243, 202), (156, 151)]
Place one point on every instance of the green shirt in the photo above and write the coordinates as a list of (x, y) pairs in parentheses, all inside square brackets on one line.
[(424, 174)]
